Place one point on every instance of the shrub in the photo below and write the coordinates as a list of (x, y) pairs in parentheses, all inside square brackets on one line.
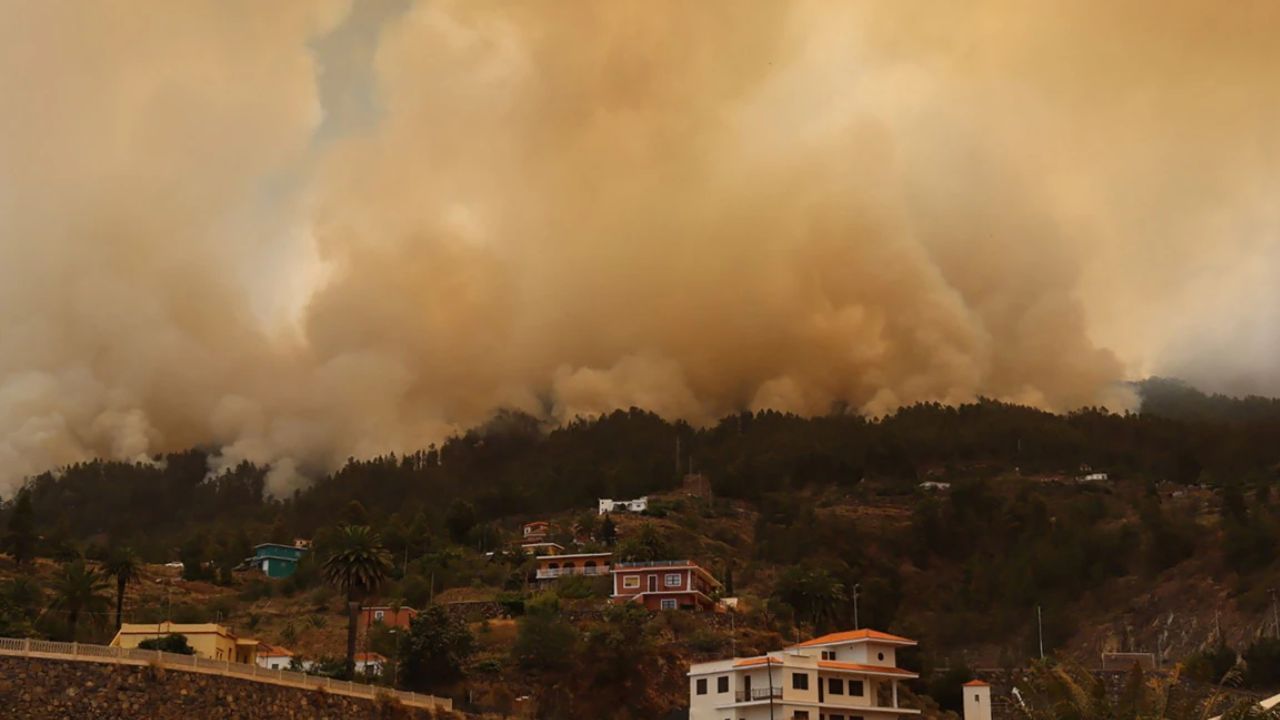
[(577, 587), (1211, 665), (707, 640), (172, 643), (255, 589), (512, 604), (1262, 663)]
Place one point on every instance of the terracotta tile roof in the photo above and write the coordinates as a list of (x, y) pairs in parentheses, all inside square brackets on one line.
[(977, 683), (269, 650), (830, 665), (855, 636), (370, 657), (752, 662), (858, 667)]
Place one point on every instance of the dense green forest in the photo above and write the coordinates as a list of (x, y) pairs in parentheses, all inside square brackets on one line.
[(957, 569), (515, 466)]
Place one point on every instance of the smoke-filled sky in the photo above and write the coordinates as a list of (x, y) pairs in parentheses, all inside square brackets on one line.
[(301, 230)]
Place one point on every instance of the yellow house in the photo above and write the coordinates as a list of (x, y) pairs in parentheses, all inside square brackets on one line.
[(209, 640)]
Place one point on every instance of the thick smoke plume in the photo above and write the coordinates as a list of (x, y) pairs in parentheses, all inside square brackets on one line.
[(568, 207)]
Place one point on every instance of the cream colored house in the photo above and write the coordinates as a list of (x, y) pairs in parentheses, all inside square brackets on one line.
[(209, 640), (843, 676)]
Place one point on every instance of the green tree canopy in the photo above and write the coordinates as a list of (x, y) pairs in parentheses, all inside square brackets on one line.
[(20, 539), (436, 648)]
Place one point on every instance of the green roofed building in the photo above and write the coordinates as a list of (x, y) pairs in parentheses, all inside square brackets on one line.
[(275, 560)]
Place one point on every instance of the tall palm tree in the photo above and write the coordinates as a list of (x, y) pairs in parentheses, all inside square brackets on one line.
[(358, 566), (79, 588), (123, 565)]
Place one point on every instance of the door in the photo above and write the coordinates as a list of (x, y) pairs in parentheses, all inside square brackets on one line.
[(746, 689), (653, 583)]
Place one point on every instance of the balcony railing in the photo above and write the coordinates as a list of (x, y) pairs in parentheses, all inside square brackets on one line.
[(552, 573), (655, 563), (758, 694)]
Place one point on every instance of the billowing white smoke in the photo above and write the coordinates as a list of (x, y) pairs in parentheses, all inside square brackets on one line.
[(566, 207)]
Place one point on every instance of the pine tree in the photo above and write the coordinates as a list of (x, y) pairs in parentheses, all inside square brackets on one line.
[(608, 531), (20, 540)]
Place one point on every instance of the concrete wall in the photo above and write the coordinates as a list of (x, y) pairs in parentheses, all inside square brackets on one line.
[(41, 689)]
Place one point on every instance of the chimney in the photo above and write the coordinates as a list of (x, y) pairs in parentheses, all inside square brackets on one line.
[(977, 700)]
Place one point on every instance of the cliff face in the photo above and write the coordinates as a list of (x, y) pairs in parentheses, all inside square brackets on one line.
[(41, 689)]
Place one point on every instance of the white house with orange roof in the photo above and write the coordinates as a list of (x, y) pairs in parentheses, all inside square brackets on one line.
[(842, 676), (977, 700), (274, 657)]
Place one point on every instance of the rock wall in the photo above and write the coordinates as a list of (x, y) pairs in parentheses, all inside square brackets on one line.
[(41, 689)]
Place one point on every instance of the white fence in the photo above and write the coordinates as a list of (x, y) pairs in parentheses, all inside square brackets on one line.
[(27, 647), (552, 573)]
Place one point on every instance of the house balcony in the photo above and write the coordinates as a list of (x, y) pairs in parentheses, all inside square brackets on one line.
[(553, 573), (755, 694), (654, 564)]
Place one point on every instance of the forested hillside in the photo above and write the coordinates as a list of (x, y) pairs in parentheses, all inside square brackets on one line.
[(806, 513)]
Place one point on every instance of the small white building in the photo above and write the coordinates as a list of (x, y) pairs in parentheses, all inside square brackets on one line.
[(638, 505), (849, 674), (977, 700), (370, 663), (273, 657), (934, 486)]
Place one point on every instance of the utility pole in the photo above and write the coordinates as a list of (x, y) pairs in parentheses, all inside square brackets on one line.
[(768, 664), (1275, 619), (1040, 630), (677, 455), (856, 588), (733, 636)]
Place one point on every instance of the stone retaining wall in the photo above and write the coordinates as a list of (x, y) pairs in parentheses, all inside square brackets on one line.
[(43, 689)]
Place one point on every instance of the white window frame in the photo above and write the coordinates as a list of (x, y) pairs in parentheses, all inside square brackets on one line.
[(666, 581), (630, 582), (378, 615), (669, 604)]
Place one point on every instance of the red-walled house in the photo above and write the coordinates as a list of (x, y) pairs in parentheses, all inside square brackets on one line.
[(387, 615), (535, 532), (664, 585)]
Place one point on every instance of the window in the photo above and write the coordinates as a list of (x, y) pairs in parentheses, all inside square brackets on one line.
[(977, 698), (631, 582), (668, 604), (836, 717), (855, 688), (880, 657), (800, 681), (722, 684), (701, 686), (673, 580), (828, 654), (378, 615), (801, 715), (835, 686)]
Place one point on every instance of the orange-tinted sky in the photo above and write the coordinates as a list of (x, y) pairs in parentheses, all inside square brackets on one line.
[(299, 232)]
